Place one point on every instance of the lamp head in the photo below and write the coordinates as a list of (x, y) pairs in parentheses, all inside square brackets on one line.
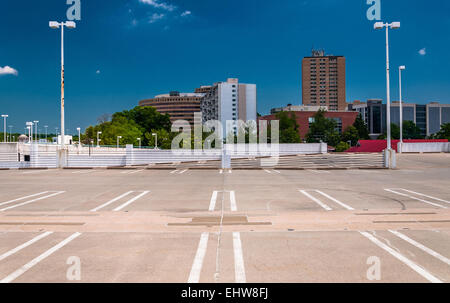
[(402, 67), (70, 24), (378, 25), (395, 25), (54, 24)]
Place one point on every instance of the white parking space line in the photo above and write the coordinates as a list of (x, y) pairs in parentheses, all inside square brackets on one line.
[(212, 204), (34, 172), (233, 201), (35, 261), (323, 205), (174, 171), (81, 172), (335, 200), (414, 198), (135, 172), (422, 247), (131, 201), (267, 171), (23, 198), (20, 247), (239, 268), (194, 276), (221, 171), (421, 271), (426, 196), (32, 201), (111, 201), (183, 171), (318, 171)]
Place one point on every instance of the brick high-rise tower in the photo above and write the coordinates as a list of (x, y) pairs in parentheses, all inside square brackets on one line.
[(323, 81)]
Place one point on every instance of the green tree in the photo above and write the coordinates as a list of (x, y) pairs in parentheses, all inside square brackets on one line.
[(360, 125), (289, 128), (444, 133), (411, 131), (351, 134), (342, 147), (323, 129)]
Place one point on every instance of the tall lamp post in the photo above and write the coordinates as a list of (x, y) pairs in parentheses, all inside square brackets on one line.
[(118, 138), (56, 25), (46, 133), (401, 103), (156, 140), (30, 131), (98, 139), (4, 127), (139, 139), (36, 130), (10, 133), (393, 25), (79, 136)]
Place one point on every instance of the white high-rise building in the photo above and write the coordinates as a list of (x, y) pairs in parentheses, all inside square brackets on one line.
[(229, 101)]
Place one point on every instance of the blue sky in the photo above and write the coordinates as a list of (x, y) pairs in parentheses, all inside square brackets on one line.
[(125, 50)]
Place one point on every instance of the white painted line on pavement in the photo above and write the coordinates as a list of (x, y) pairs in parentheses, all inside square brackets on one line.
[(172, 172), (212, 204), (278, 172), (421, 271), (239, 268), (323, 205), (32, 201), (414, 198), (335, 200), (182, 172), (422, 247), (23, 198), (194, 276), (221, 171), (34, 172), (110, 202), (80, 172), (419, 194), (131, 201), (233, 205), (318, 171), (20, 247), (135, 172), (35, 261), (267, 171)]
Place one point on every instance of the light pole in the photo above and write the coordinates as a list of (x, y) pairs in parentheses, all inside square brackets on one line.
[(79, 136), (98, 139), (139, 139), (393, 25), (156, 140), (30, 131), (46, 133), (401, 102), (4, 127), (10, 133), (118, 138), (56, 25), (36, 130)]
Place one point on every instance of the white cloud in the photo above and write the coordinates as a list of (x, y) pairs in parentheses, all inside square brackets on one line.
[(7, 70), (423, 51), (186, 13), (156, 17), (98, 72), (158, 4)]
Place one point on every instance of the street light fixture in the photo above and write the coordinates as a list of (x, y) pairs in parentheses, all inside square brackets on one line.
[(98, 138), (393, 25), (79, 136), (139, 139), (4, 127), (10, 133), (402, 67), (118, 138), (30, 131), (36, 130), (57, 25), (156, 140)]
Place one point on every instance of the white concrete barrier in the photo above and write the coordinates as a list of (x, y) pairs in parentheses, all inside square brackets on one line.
[(426, 147)]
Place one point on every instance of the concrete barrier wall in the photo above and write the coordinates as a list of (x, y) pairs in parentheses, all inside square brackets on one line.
[(45, 156), (428, 147)]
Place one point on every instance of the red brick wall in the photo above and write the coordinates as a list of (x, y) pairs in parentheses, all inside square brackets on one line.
[(348, 118)]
